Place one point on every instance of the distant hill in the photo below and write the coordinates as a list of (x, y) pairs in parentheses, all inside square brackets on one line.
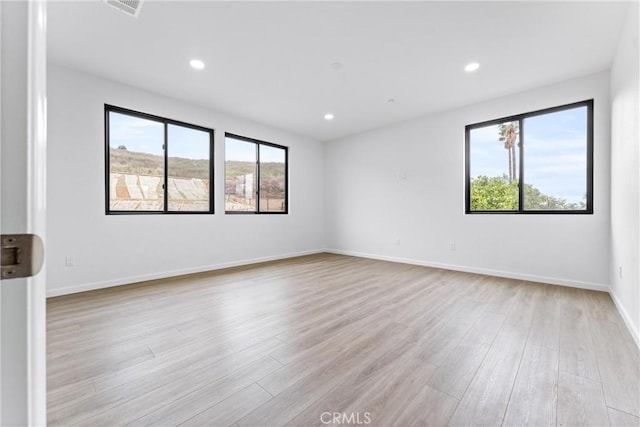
[(134, 163), (268, 170)]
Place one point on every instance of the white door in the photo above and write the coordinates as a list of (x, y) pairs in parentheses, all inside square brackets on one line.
[(23, 208)]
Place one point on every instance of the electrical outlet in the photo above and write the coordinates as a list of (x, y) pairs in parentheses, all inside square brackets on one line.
[(452, 246), (397, 242), (69, 261)]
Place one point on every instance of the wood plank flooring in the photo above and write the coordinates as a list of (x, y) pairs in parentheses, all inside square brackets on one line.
[(330, 339)]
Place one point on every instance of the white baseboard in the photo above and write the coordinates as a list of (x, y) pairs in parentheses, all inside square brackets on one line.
[(518, 276), (489, 272), (170, 273), (635, 334), (633, 330)]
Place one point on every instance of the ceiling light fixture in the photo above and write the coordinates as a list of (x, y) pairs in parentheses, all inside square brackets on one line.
[(328, 116), (196, 64), (471, 67)]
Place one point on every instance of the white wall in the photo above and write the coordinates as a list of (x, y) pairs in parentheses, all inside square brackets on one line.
[(14, 295), (625, 178), (371, 211), (117, 249)]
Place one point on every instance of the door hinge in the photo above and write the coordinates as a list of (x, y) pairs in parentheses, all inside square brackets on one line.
[(22, 255)]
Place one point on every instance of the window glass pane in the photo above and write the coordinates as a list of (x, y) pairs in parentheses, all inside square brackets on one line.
[(272, 179), (188, 168), (555, 157), (494, 167), (136, 163), (240, 175)]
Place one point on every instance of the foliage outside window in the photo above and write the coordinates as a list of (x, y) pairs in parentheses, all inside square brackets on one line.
[(156, 165), (538, 162), (255, 176)]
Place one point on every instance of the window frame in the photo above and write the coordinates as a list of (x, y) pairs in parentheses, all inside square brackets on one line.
[(258, 143), (521, 157), (165, 122)]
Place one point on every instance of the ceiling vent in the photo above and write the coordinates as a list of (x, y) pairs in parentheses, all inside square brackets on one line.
[(130, 7)]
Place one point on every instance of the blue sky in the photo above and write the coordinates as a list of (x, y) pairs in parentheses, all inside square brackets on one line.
[(243, 151), (146, 136), (555, 153), (240, 151)]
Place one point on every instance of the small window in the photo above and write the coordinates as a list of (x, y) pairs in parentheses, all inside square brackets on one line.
[(538, 162), (156, 165), (255, 176)]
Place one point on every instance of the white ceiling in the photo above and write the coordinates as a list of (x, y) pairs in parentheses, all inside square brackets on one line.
[(272, 61)]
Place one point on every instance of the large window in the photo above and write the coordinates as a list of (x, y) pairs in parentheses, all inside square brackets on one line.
[(538, 162), (255, 176), (156, 165)]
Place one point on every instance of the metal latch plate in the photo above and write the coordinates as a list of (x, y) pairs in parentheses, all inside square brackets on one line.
[(22, 255)]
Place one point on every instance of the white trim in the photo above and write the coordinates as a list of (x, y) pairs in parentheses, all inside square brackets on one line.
[(37, 209), (489, 272), (510, 275), (627, 319), (172, 273), (1, 46)]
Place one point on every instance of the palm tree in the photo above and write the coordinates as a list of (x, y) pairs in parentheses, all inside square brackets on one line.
[(508, 133)]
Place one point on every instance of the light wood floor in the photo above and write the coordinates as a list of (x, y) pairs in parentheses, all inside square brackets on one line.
[(283, 343)]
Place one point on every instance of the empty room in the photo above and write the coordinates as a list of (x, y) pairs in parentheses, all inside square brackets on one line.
[(308, 213)]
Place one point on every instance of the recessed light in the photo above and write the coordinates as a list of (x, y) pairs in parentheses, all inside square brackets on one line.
[(391, 100), (472, 66), (196, 64), (328, 116)]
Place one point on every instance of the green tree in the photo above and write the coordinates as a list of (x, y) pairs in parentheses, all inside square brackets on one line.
[(496, 193), (500, 193), (508, 134), (536, 200)]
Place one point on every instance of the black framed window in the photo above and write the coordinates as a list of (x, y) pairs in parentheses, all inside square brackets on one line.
[(532, 163), (256, 177), (156, 165)]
